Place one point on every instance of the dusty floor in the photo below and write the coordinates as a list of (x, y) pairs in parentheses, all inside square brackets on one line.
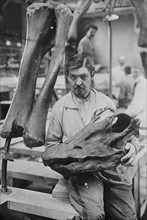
[(13, 215)]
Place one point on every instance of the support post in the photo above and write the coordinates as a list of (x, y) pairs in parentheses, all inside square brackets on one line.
[(110, 57), (4, 188)]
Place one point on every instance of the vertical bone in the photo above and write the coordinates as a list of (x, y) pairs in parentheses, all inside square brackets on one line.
[(38, 37), (81, 8), (34, 134)]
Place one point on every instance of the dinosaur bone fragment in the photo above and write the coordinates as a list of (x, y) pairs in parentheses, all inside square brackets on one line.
[(98, 146)]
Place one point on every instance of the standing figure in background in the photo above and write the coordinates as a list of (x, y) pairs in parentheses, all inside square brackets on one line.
[(126, 89), (138, 105), (118, 76), (85, 45)]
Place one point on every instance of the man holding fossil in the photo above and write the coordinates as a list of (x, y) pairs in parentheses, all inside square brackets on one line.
[(92, 193)]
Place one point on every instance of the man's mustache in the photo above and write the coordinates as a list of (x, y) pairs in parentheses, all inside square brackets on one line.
[(79, 87)]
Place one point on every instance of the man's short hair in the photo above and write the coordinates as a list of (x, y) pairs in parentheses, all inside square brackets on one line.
[(91, 26), (78, 61), (127, 70)]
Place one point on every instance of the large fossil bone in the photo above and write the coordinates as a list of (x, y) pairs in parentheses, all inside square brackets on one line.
[(98, 146), (34, 134), (39, 35)]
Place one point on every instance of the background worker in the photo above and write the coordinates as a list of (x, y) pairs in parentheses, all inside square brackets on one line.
[(126, 89), (85, 45), (118, 76), (138, 106)]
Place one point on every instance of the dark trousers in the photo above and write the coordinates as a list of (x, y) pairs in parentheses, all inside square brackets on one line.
[(90, 196)]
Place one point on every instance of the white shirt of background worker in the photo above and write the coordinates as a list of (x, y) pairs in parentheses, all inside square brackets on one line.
[(138, 105)]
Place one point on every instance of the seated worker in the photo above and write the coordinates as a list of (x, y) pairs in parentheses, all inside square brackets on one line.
[(126, 89), (118, 76), (89, 193)]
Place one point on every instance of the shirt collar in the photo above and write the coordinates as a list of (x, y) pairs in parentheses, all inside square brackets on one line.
[(139, 78), (72, 100)]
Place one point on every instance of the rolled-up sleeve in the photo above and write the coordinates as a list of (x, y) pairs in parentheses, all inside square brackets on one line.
[(54, 133)]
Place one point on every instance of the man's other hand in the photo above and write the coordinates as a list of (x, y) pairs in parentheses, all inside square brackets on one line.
[(130, 156)]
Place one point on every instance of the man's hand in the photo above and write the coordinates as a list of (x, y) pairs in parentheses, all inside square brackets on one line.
[(129, 158)]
